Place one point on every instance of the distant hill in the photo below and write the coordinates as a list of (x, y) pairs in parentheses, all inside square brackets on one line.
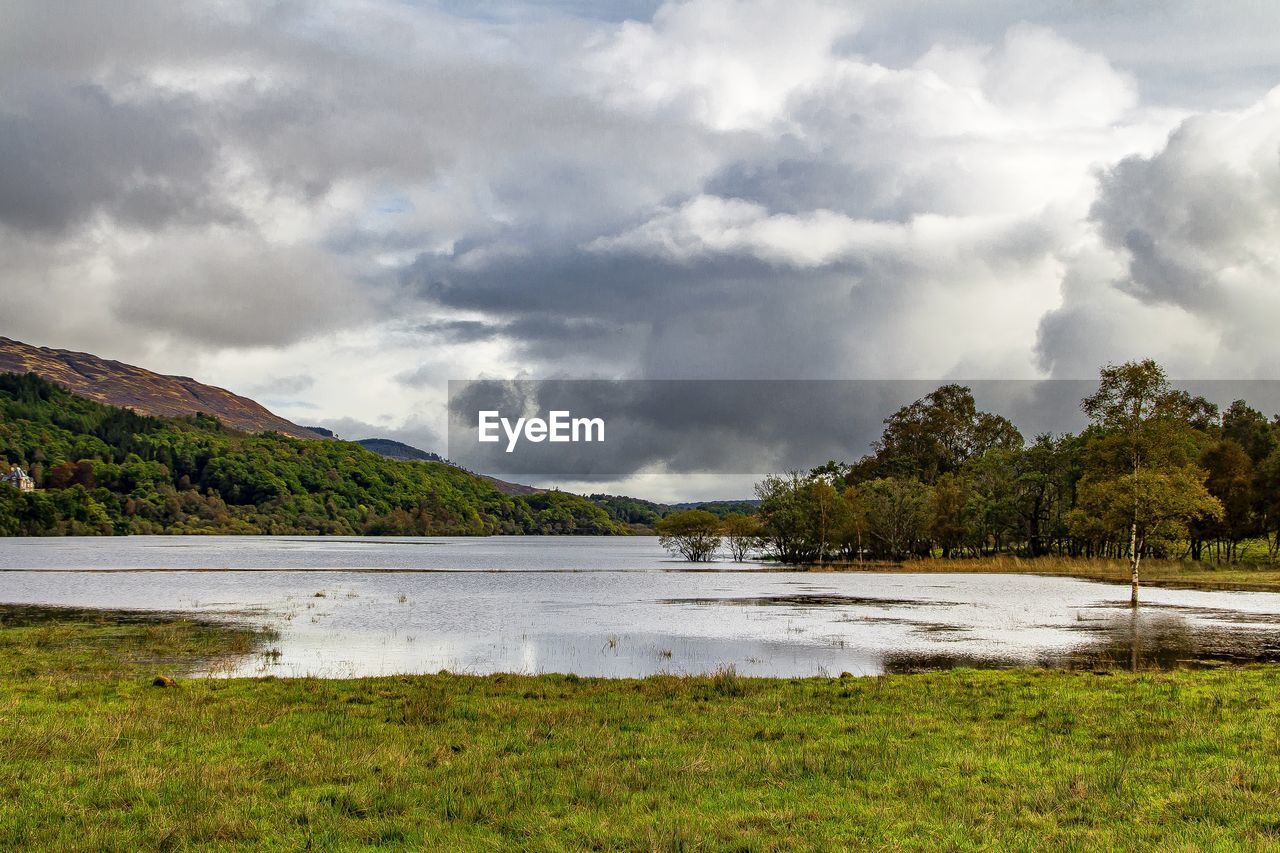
[(397, 450), (722, 508), (639, 512), (393, 449), (114, 383)]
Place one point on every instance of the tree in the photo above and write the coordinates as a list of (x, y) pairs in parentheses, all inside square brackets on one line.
[(938, 434), (693, 534), (1230, 480), (850, 533), (826, 512), (785, 521), (992, 509), (1047, 472), (949, 525), (898, 515), (1250, 429), (1267, 501), (742, 533), (1141, 475)]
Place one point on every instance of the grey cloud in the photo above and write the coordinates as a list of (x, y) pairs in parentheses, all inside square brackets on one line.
[(232, 290), (284, 386), (536, 326), (696, 427), (67, 154)]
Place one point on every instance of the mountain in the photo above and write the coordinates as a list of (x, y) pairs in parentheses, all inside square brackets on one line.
[(117, 384)]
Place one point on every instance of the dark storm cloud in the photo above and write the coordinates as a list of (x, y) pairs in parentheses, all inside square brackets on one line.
[(719, 427), (747, 426)]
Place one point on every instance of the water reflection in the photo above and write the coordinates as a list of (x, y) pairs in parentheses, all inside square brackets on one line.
[(1151, 639), (1147, 639)]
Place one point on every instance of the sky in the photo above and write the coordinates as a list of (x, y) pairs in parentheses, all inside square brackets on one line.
[(336, 208)]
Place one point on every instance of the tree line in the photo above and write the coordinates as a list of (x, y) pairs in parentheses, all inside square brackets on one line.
[(1157, 473)]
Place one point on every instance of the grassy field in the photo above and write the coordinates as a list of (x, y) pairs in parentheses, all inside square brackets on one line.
[(93, 756), (1180, 573)]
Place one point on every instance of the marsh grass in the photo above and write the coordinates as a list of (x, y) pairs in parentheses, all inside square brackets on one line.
[(66, 642), (93, 757)]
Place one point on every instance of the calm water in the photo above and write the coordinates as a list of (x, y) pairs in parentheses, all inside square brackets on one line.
[(620, 607)]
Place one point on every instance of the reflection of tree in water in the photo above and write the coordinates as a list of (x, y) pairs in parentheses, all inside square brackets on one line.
[(1133, 640), (1141, 640)]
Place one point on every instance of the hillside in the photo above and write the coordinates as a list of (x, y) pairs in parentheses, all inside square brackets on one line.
[(102, 470), (117, 384)]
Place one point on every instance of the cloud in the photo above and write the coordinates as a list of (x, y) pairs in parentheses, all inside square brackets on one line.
[(283, 385), (963, 175), (720, 188), (1183, 263), (729, 64), (72, 153), (233, 289)]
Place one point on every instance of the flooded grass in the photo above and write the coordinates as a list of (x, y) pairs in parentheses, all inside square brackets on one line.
[(92, 756), (56, 642), (1172, 573), (807, 600)]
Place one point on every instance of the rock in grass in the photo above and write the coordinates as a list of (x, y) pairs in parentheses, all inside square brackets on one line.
[(164, 681)]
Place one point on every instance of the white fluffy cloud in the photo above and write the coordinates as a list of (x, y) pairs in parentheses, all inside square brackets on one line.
[(729, 64), (1184, 263)]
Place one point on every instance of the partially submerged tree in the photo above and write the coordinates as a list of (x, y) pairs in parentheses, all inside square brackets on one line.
[(693, 534), (1141, 476), (803, 518), (785, 518), (741, 533)]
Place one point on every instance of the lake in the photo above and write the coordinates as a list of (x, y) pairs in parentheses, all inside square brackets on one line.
[(619, 606)]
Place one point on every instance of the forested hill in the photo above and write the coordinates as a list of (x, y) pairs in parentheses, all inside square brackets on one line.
[(397, 450), (102, 469), (117, 384)]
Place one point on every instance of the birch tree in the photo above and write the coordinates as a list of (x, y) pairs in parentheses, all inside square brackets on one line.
[(1141, 476)]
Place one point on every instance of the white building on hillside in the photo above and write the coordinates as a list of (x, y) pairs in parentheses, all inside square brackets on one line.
[(19, 479)]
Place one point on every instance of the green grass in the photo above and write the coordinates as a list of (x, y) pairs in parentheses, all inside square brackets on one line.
[(94, 757)]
